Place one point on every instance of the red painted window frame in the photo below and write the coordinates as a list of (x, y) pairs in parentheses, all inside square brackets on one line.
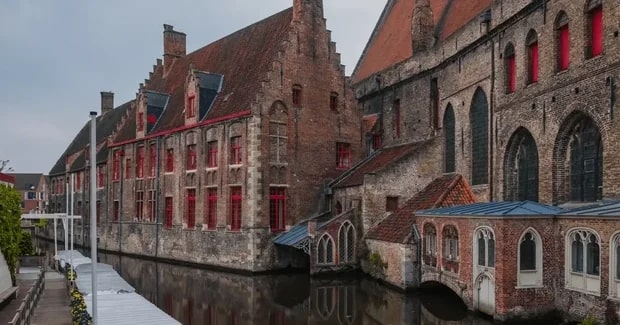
[(116, 210), (534, 62), (191, 106), (212, 154), (277, 209), (140, 121), (343, 155), (235, 151), (191, 157), (140, 162), (77, 182), (297, 95), (563, 48), (396, 118), (152, 160), (139, 205), (168, 207), (596, 31), (116, 165), (211, 208), (128, 168), (511, 73), (100, 176), (235, 208), (190, 209), (170, 160)]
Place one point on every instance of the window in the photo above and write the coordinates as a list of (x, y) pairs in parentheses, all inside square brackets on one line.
[(325, 250), (191, 106), (235, 208), (338, 208), (562, 41), (396, 118), (391, 203), (31, 195), (583, 260), (212, 154), (169, 160), (430, 245), (78, 181), (343, 155), (278, 140), (530, 259), (376, 141), (277, 209), (451, 249), (479, 121), (100, 176), (168, 207), (191, 157), (140, 121), (333, 101), (152, 206), (139, 205), (346, 243), (297, 95), (485, 244), (116, 210), (586, 162), (98, 211), (434, 97), (614, 272), (235, 150), (449, 133), (190, 209), (128, 168), (595, 28), (116, 166), (521, 167), (152, 159), (211, 208), (510, 68), (532, 56), (140, 163)]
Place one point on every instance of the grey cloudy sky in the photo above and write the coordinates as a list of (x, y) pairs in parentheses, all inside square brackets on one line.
[(56, 56)]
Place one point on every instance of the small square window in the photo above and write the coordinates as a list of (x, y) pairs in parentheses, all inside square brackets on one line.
[(333, 101), (391, 203), (297, 95)]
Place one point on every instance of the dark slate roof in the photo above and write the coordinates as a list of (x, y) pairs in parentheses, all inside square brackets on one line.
[(106, 124), (374, 163), (293, 236), (445, 191), (25, 181), (504, 208), (243, 58), (605, 209)]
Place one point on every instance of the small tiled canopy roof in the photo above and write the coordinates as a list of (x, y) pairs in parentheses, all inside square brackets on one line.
[(447, 190)]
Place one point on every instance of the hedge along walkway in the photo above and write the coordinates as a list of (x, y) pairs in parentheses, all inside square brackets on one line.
[(53, 308)]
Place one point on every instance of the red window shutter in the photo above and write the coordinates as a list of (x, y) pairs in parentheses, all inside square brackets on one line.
[(343, 155), (277, 209), (235, 208), (170, 160), (191, 157), (191, 106), (191, 208), (116, 166), (564, 48), (534, 62), (140, 163), (235, 150), (168, 208), (596, 27), (152, 160), (212, 154), (211, 208), (512, 74)]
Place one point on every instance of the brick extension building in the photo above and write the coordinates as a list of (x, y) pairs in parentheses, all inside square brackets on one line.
[(226, 146), (33, 190)]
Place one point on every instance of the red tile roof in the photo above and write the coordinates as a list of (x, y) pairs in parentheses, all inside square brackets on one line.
[(445, 191), (391, 41), (243, 57), (375, 163)]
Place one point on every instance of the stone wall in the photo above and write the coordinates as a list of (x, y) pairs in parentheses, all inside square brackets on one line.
[(391, 262)]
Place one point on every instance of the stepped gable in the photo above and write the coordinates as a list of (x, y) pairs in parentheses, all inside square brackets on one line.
[(106, 125), (390, 42), (244, 58), (445, 191)]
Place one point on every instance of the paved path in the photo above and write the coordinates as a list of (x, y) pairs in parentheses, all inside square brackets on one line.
[(25, 281), (53, 308)]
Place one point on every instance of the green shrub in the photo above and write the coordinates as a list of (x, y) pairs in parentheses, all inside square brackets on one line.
[(10, 227), (25, 245), (42, 223), (589, 321)]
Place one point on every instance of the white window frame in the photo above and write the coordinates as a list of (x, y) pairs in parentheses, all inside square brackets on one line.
[(576, 281), (531, 278), (325, 238), (614, 283), (487, 234), (343, 233)]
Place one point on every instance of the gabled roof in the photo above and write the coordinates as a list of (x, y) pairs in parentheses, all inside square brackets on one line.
[(376, 162), (243, 58), (504, 208), (25, 181), (602, 209), (448, 190), (106, 125), (369, 122), (391, 41)]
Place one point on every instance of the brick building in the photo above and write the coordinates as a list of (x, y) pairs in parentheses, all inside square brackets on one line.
[(7, 180), (33, 190), (223, 147)]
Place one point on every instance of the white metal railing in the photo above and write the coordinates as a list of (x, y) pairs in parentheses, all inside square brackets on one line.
[(23, 316)]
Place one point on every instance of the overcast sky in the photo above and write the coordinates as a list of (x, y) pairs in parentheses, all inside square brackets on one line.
[(56, 56)]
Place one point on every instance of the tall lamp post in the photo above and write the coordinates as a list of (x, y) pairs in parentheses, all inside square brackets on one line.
[(93, 210)]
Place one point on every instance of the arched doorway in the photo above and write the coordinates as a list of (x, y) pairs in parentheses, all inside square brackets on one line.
[(521, 167), (484, 294)]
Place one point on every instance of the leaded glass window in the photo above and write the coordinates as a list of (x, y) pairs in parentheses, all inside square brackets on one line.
[(479, 120), (449, 125)]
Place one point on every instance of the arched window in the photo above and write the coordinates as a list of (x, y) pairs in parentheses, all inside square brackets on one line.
[(586, 162), (479, 121), (530, 260), (485, 247), (346, 305), (346, 243), (521, 167), (278, 133), (325, 301), (614, 271), (583, 260), (430, 244), (594, 28), (562, 41), (531, 42), (510, 66), (449, 125), (451, 249), (325, 251), (297, 95)]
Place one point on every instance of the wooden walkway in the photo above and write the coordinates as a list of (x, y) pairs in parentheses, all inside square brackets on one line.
[(53, 308)]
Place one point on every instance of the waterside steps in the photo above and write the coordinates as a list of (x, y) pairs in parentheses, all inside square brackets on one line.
[(117, 301)]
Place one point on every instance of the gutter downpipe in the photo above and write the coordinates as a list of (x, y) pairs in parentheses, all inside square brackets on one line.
[(157, 195), (491, 122)]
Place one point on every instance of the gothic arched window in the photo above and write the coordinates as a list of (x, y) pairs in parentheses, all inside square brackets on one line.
[(583, 260), (449, 125), (530, 260), (479, 120), (586, 162), (485, 242), (325, 250), (346, 243), (521, 167)]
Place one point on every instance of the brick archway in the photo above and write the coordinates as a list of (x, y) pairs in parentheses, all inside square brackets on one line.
[(460, 288)]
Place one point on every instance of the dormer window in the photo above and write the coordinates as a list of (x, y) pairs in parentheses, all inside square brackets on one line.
[(191, 106), (595, 28), (297, 95)]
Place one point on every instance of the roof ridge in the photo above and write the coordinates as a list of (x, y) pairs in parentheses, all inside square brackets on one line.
[(447, 191)]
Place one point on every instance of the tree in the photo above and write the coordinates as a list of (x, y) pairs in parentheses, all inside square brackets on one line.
[(10, 227), (4, 164)]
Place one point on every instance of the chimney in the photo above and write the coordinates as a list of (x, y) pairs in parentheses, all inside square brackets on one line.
[(174, 45), (422, 26), (107, 102), (305, 10)]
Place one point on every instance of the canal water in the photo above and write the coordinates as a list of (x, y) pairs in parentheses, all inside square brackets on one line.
[(198, 296)]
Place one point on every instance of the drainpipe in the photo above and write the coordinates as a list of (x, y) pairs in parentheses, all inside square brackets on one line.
[(120, 199), (491, 123), (157, 192)]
